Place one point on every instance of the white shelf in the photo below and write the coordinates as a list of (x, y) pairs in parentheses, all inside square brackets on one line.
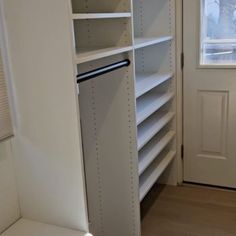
[(24, 227), (86, 16), (150, 103), (152, 126), (149, 153), (152, 174), (90, 54), (147, 81), (144, 42)]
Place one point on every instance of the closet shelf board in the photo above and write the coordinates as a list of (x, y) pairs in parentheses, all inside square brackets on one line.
[(145, 42), (152, 174), (86, 16), (152, 126), (148, 154), (150, 103), (90, 54), (147, 81)]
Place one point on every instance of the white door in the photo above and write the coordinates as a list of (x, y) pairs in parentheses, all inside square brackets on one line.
[(210, 92)]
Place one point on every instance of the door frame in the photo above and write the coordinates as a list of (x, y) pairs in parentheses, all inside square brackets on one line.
[(179, 90)]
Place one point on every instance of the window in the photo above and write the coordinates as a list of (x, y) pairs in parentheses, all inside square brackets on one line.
[(218, 32), (5, 121)]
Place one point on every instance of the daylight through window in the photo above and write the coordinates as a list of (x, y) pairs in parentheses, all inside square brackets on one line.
[(218, 32)]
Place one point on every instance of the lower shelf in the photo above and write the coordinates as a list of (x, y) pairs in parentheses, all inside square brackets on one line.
[(152, 174), (149, 153)]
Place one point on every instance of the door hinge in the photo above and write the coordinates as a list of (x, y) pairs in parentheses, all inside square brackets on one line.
[(182, 151), (182, 60)]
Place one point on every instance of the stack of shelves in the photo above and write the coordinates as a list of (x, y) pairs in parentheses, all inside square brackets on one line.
[(155, 89), (101, 29), (144, 93)]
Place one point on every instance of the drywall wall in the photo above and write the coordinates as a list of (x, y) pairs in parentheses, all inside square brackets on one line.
[(47, 143), (9, 207)]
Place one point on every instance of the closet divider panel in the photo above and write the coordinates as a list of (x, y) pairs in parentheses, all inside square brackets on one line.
[(110, 150)]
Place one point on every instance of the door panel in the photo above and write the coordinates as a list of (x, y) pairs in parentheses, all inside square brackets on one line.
[(209, 102)]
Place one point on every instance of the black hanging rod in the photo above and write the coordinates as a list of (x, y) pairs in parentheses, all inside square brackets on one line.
[(102, 70)]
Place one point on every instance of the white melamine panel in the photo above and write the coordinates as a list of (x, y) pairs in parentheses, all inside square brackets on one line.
[(152, 18), (150, 103), (152, 126), (47, 146), (9, 205), (103, 6), (110, 149), (25, 227), (85, 16), (155, 58), (148, 154), (145, 42), (151, 175), (90, 54), (147, 81)]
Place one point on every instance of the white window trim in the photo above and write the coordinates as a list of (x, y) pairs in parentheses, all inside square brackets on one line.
[(210, 66), (7, 71)]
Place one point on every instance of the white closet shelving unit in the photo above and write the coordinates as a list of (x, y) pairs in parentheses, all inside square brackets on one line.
[(154, 45), (127, 116)]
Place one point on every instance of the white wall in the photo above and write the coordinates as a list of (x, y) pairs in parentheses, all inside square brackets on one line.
[(9, 208), (47, 143)]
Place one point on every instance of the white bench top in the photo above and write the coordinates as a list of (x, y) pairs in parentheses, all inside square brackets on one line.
[(31, 228)]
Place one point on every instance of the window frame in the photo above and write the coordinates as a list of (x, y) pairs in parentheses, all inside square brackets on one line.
[(200, 40), (7, 74)]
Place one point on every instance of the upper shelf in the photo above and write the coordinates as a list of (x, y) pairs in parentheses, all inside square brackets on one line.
[(90, 54), (86, 16), (145, 42)]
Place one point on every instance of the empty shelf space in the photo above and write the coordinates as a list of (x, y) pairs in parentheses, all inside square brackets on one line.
[(149, 153), (152, 174), (90, 54), (150, 103), (152, 126), (147, 81), (144, 42), (86, 16)]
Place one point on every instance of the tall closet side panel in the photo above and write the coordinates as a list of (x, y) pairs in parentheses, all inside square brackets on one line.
[(47, 143), (110, 150)]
